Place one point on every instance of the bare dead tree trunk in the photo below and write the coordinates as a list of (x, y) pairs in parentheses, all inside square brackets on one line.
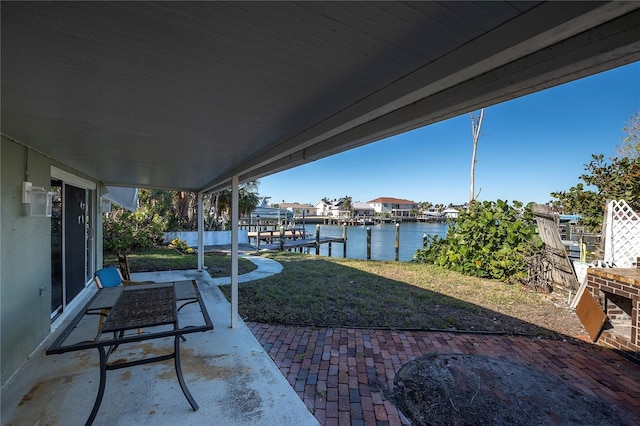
[(476, 125)]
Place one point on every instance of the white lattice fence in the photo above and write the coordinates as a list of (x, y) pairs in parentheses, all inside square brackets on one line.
[(622, 235)]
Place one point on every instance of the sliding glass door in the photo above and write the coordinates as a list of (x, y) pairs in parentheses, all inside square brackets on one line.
[(70, 244)]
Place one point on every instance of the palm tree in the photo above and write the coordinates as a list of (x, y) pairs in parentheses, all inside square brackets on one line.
[(347, 205), (248, 199), (185, 210), (425, 205)]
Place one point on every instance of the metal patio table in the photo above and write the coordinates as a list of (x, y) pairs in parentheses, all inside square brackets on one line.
[(146, 312)]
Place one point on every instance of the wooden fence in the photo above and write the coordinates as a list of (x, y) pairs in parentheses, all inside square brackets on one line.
[(556, 259)]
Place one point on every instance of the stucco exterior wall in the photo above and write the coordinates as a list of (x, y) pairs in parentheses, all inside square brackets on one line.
[(25, 265)]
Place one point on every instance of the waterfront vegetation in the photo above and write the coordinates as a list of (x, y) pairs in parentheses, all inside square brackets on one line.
[(489, 240)]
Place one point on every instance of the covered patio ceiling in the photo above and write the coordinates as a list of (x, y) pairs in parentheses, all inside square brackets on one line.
[(186, 95)]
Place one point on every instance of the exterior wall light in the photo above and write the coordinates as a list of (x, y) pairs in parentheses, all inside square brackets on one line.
[(36, 201)]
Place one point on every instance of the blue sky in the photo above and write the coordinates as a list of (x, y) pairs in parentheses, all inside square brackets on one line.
[(528, 148)]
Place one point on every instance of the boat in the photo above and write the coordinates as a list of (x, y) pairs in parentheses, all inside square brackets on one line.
[(265, 213), (365, 221)]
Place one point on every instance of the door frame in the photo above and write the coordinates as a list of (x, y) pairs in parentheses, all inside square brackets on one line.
[(91, 238)]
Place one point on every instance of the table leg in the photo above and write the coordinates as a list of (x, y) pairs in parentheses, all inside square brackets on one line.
[(183, 385), (103, 379)]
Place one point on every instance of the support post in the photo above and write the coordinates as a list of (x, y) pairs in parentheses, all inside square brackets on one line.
[(317, 239), (329, 248), (368, 243), (200, 231), (234, 251)]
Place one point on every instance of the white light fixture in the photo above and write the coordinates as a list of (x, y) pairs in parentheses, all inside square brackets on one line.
[(36, 200)]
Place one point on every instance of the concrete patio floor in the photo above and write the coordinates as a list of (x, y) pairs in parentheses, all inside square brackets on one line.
[(227, 371)]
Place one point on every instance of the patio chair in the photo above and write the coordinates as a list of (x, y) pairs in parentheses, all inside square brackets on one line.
[(111, 276), (123, 262)]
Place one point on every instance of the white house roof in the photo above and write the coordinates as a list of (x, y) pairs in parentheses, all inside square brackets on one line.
[(391, 200), (361, 206), (186, 95), (295, 206)]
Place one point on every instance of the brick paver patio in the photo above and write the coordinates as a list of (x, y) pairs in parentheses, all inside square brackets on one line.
[(342, 374)]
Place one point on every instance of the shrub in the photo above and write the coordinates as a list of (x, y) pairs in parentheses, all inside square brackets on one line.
[(181, 246), (131, 231), (490, 240)]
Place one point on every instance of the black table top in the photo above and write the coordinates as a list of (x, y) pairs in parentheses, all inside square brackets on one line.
[(132, 307), (142, 307)]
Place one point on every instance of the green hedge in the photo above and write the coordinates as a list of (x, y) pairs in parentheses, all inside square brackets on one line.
[(490, 240)]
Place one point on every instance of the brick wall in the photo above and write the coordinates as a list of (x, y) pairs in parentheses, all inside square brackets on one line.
[(618, 292), (618, 309)]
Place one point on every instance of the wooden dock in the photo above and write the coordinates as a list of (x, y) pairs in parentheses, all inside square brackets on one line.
[(300, 244), (271, 235), (294, 239), (309, 242)]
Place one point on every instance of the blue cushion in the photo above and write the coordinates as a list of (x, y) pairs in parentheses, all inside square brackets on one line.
[(109, 276)]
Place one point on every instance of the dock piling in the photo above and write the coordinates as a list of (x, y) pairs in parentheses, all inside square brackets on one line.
[(397, 242), (344, 241), (281, 237), (258, 234)]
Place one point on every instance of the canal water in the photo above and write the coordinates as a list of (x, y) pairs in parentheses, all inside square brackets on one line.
[(383, 238)]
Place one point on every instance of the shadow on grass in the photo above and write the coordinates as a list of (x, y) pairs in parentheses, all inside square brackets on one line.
[(316, 291), (168, 259)]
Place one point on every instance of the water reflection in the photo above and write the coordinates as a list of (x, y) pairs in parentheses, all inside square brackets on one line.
[(383, 238)]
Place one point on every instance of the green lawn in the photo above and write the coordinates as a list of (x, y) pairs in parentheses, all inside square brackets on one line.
[(165, 259), (322, 291)]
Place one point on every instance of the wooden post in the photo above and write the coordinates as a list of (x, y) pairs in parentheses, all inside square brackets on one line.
[(368, 243), (281, 237), (258, 235), (397, 242), (317, 239), (344, 241), (329, 248)]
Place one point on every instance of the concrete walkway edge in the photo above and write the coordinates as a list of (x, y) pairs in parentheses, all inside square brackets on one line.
[(265, 268)]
